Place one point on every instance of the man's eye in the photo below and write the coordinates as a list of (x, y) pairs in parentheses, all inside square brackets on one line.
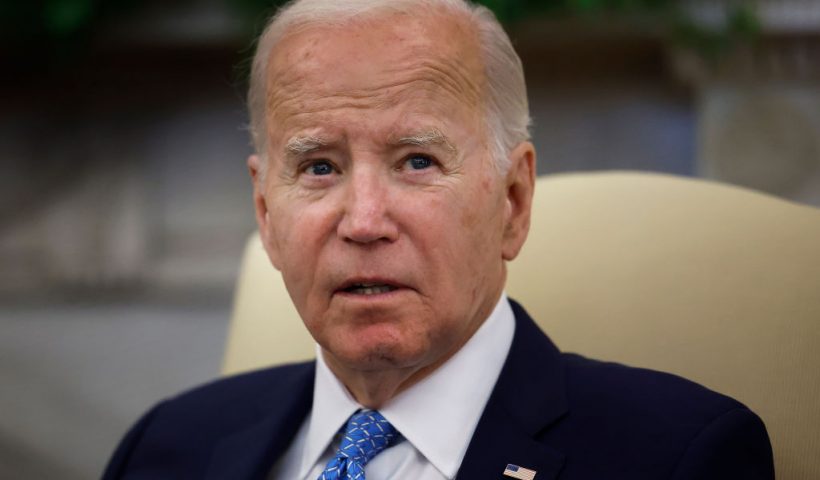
[(419, 162), (319, 168)]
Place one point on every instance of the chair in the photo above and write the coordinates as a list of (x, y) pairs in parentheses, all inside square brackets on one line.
[(712, 282)]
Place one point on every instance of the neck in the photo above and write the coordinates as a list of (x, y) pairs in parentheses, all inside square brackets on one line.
[(373, 389)]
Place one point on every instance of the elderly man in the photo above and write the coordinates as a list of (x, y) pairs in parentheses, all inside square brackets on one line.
[(393, 180)]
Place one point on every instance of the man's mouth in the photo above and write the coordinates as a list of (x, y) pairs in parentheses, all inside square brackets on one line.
[(369, 288)]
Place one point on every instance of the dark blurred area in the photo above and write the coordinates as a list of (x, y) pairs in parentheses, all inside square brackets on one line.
[(125, 203)]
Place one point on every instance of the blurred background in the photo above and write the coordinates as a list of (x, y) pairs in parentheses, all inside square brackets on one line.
[(125, 203)]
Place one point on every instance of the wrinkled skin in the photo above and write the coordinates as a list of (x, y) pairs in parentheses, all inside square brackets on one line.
[(379, 174)]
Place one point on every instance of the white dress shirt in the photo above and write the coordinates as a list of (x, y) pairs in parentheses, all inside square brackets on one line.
[(436, 417)]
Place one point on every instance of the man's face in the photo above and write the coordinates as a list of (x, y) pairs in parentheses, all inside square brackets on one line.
[(381, 206)]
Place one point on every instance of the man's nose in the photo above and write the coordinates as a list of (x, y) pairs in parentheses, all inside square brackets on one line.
[(367, 209)]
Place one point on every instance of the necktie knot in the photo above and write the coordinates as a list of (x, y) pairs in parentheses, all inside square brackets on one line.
[(366, 434)]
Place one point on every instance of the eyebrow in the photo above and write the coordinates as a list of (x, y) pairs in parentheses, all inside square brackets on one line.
[(303, 144), (431, 137)]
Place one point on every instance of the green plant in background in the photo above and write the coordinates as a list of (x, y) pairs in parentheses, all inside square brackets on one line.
[(54, 31), (55, 25), (741, 26), (670, 18)]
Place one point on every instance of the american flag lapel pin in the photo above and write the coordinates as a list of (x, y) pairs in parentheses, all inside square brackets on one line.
[(521, 473)]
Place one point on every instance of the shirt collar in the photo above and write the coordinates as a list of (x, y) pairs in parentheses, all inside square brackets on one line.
[(332, 406), (440, 430)]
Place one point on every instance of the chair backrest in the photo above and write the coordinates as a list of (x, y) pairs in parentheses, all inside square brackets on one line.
[(712, 282)]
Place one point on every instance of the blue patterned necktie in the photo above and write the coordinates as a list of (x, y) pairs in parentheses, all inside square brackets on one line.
[(367, 433)]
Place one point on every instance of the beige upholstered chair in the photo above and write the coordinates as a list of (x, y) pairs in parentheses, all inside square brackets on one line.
[(715, 283)]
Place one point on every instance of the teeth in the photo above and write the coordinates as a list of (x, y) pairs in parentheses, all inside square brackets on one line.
[(371, 289)]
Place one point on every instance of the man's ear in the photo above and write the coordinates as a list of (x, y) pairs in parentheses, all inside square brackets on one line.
[(260, 206), (520, 186)]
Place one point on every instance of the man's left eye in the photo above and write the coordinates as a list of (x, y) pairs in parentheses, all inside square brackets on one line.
[(419, 162)]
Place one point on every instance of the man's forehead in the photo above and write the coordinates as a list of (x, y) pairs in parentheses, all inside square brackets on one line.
[(447, 32), (360, 61)]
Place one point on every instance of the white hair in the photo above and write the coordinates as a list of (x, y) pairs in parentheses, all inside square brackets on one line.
[(506, 112)]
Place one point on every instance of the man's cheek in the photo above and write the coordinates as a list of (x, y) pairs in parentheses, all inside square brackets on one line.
[(271, 245), (283, 239)]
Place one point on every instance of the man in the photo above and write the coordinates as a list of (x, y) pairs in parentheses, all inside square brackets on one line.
[(393, 180)]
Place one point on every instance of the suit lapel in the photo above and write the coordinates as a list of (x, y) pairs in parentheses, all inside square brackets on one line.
[(528, 397), (250, 453)]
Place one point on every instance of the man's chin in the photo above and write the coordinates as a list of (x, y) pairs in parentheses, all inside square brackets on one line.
[(380, 356)]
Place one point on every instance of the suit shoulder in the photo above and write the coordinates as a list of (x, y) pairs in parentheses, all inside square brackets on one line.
[(242, 384), (626, 422), (236, 399), (649, 393), (178, 435), (233, 402)]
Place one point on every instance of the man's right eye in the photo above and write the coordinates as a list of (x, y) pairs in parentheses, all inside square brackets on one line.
[(320, 167)]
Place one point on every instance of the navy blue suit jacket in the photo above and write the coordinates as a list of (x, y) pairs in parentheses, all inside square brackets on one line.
[(562, 415)]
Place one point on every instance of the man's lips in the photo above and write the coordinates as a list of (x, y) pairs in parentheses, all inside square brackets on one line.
[(368, 286)]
